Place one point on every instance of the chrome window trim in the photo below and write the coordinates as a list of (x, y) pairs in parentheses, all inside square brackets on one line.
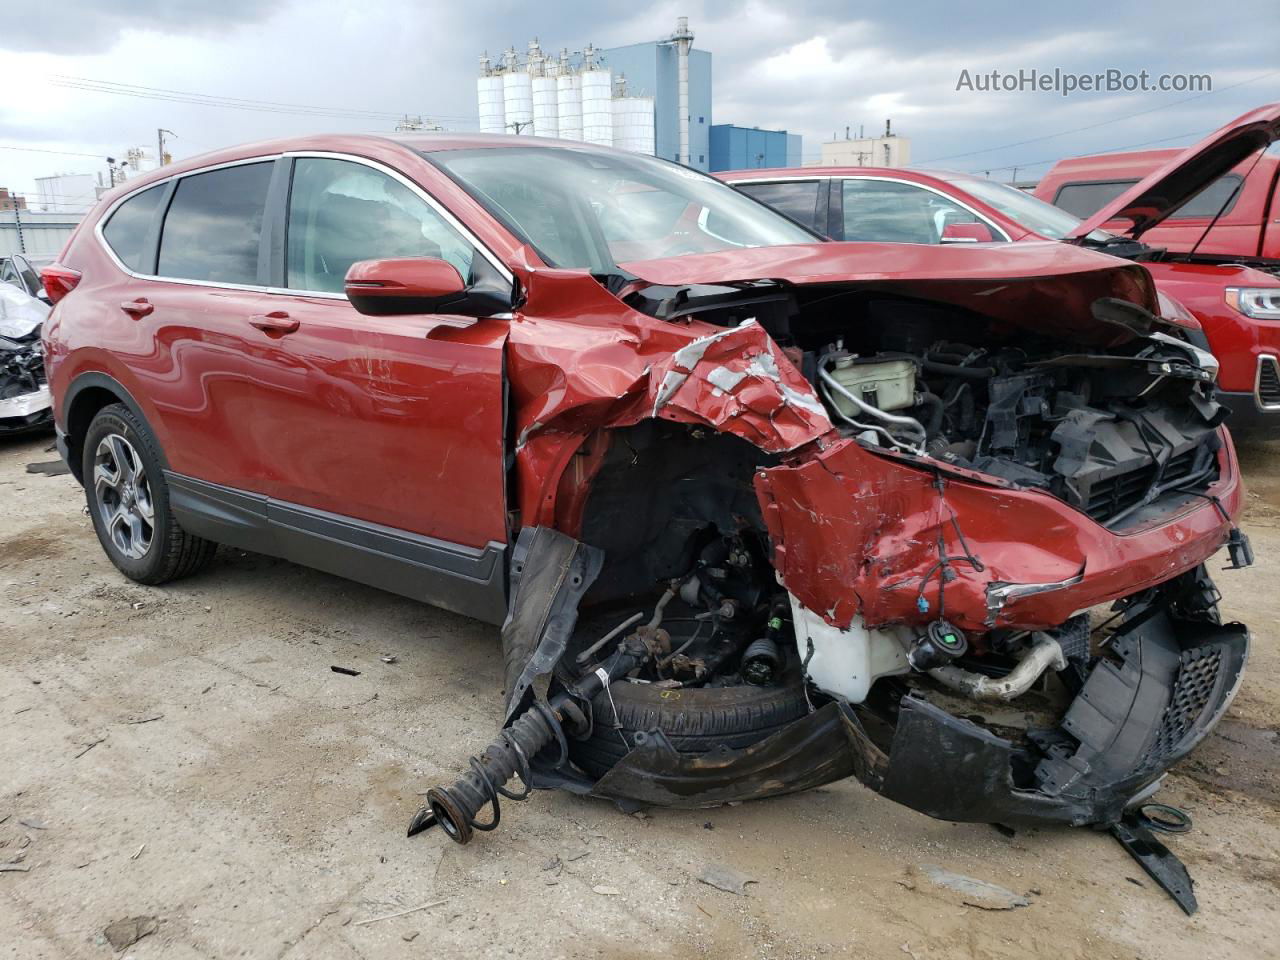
[(995, 229), (422, 194), (1257, 382)]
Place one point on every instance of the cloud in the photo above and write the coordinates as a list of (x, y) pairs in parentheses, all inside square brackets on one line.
[(92, 26), (809, 66)]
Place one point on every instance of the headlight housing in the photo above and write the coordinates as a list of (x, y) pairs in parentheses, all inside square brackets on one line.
[(1260, 303)]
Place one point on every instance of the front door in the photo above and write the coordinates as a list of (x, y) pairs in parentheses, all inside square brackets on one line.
[(392, 421)]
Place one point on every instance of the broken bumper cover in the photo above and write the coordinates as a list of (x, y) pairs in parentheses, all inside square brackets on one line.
[(856, 532), (1170, 682), (27, 411)]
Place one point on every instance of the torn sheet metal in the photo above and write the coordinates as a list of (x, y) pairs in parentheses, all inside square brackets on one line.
[(580, 360), (855, 532)]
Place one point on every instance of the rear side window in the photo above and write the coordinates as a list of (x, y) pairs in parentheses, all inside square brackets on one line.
[(1086, 199), (212, 228), (797, 199), (126, 231), (1219, 195), (342, 212)]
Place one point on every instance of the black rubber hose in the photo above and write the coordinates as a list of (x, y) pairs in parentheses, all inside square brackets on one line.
[(934, 403), (954, 370)]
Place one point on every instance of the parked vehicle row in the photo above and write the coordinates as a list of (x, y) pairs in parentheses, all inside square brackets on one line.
[(757, 510), (1231, 286)]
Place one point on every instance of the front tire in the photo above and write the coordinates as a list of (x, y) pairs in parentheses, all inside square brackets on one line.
[(128, 502)]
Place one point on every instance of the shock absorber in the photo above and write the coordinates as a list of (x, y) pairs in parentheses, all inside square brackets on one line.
[(455, 808)]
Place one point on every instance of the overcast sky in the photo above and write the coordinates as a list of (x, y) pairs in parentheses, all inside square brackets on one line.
[(809, 66)]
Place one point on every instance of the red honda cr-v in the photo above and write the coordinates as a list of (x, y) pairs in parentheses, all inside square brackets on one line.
[(857, 493)]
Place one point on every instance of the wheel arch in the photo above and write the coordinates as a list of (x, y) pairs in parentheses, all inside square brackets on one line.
[(89, 393)]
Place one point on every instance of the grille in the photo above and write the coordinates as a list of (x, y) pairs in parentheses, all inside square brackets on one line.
[(1197, 678), (1268, 382), (1110, 496)]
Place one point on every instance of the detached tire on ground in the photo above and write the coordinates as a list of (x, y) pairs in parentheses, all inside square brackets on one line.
[(695, 720), (128, 501)]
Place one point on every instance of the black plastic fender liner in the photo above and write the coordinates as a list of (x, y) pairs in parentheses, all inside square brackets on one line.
[(550, 574), (827, 745)]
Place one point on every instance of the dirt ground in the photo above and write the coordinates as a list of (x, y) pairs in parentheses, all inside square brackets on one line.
[(186, 753)]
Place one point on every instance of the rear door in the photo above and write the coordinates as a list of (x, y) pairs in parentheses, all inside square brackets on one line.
[(191, 297), (392, 421)]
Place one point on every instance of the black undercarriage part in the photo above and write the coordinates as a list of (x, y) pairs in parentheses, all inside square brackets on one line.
[(1134, 831), (455, 808)]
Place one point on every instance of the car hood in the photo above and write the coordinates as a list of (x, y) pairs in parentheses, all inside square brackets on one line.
[(1014, 283), (1150, 201)]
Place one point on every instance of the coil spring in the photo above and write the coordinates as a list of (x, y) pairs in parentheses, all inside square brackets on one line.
[(455, 808)]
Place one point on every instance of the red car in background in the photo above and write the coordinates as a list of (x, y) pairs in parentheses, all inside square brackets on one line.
[(1244, 201), (1237, 304)]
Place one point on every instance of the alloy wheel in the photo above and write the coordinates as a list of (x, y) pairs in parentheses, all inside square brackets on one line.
[(124, 498)]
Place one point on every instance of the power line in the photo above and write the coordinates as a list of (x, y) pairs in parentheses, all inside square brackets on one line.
[(1094, 126), (63, 153), (1125, 146), (233, 103)]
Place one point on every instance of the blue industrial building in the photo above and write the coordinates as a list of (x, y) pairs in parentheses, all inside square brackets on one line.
[(650, 70), (748, 148)]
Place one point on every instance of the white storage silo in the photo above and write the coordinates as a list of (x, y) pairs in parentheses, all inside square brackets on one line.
[(633, 127), (489, 98), (569, 105), (597, 107), (545, 107), (517, 97)]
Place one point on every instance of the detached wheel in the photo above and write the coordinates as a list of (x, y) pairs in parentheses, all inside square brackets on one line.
[(129, 502), (694, 719)]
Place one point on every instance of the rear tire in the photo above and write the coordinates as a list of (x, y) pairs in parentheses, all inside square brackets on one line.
[(694, 719), (128, 502)]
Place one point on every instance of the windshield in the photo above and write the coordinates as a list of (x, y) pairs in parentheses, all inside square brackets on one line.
[(1032, 213), (591, 209)]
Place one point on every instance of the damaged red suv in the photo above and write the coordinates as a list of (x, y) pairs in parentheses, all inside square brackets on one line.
[(757, 511)]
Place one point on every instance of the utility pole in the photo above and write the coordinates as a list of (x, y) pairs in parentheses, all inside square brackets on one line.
[(161, 156), (17, 220), (516, 126)]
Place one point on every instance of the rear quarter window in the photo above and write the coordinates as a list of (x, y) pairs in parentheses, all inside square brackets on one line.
[(127, 230)]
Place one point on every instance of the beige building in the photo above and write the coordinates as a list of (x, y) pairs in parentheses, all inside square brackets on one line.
[(889, 150)]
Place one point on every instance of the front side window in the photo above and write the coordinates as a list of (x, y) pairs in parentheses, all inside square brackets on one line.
[(342, 212), (213, 225), (588, 209), (126, 231), (1018, 205), (884, 211), (798, 199)]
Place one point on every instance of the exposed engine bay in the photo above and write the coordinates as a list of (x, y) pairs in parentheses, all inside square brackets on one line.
[(744, 623), (24, 394)]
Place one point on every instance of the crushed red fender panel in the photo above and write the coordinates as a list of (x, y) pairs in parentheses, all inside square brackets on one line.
[(858, 533)]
